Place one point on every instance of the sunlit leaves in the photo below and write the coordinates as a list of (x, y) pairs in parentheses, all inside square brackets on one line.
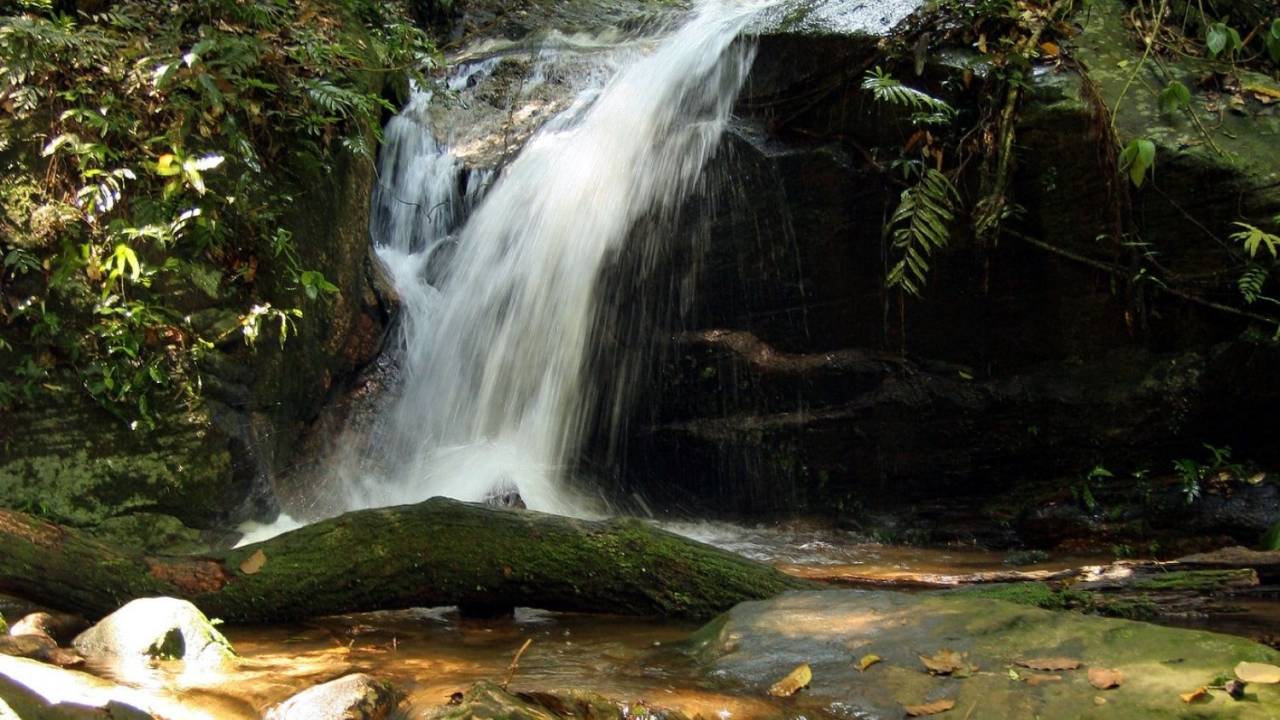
[(170, 138), (1255, 239)]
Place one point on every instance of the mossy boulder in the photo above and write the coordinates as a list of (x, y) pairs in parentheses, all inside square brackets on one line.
[(756, 643)]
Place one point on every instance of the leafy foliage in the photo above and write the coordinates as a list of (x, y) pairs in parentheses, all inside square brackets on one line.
[(1174, 96), (150, 158), (922, 221), (928, 110), (921, 226), (1136, 158)]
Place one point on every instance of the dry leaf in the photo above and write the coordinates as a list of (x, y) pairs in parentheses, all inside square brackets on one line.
[(1104, 678), (254, 562), (1034, 680), (1195, 695), (867, 661), (796, 679), (1052, 664), (948, 662), (933, 708), (1050, 49), (1261, 673)]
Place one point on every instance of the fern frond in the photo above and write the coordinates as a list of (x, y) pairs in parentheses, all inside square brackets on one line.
[(1251, 281), (888, 89), (921, 224)]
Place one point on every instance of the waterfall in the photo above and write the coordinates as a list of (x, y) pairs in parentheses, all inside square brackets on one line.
[(498, 276)]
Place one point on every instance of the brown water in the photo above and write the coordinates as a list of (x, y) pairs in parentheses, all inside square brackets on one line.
[(431, 654)]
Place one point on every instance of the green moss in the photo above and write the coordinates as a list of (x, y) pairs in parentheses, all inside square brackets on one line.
[(1193, 580), (1032, 594)]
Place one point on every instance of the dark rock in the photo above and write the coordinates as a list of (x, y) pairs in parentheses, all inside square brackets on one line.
[(351, 697), (158, 628), (796, 382)]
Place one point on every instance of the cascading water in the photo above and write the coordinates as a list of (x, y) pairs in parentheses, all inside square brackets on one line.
[(497, 316)]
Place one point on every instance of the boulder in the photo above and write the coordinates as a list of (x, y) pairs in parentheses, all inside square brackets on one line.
[(794, 381), (352, 697), (757, 643), (158, 628)]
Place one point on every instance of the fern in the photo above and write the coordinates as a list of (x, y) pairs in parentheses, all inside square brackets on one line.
[(1251, 281), (921, 225), (928, 109)]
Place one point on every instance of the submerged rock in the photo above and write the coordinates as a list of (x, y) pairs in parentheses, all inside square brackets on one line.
[(757, 642), (158, 628), (351, 697), (490, 701)]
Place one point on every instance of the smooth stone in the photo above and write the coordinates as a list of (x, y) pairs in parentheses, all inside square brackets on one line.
[(351, 697), (158, 628)]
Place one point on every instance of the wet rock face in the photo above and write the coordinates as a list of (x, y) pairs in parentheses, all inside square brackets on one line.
[(796, 381), (756, 643), (351, 697), (158, 628)]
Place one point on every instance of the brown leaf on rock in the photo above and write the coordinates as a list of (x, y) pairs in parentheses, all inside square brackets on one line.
[(933, 708), (1197, 695), (254, 562), (796, 679), (1037, 679), (1051, 664), (1261, 673), (948, 662), (1104, 678)]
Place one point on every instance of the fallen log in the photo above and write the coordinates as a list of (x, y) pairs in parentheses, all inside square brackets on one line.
[(439, 552)]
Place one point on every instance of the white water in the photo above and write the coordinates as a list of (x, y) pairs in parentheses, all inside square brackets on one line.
[(497, 316)]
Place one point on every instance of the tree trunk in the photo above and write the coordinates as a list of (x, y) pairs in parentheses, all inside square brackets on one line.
[(439, 552)]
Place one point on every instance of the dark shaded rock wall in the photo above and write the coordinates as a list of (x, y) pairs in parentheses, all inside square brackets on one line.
[(796, 383)]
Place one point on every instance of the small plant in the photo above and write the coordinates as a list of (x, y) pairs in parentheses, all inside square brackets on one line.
[(1195, 475), (1083, 490), (1136, 158), (1221, 38)]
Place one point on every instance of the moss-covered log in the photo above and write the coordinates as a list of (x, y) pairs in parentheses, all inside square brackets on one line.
[(439, 552)]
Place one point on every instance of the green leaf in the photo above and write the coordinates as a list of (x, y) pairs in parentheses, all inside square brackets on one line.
[(1220, 38), (1174, 96), (1136, 158)]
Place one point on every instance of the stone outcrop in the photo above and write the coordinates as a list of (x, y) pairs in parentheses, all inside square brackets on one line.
[(796, 381)]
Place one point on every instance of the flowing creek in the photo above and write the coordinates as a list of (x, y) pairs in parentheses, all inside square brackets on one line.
[(433, 653)]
